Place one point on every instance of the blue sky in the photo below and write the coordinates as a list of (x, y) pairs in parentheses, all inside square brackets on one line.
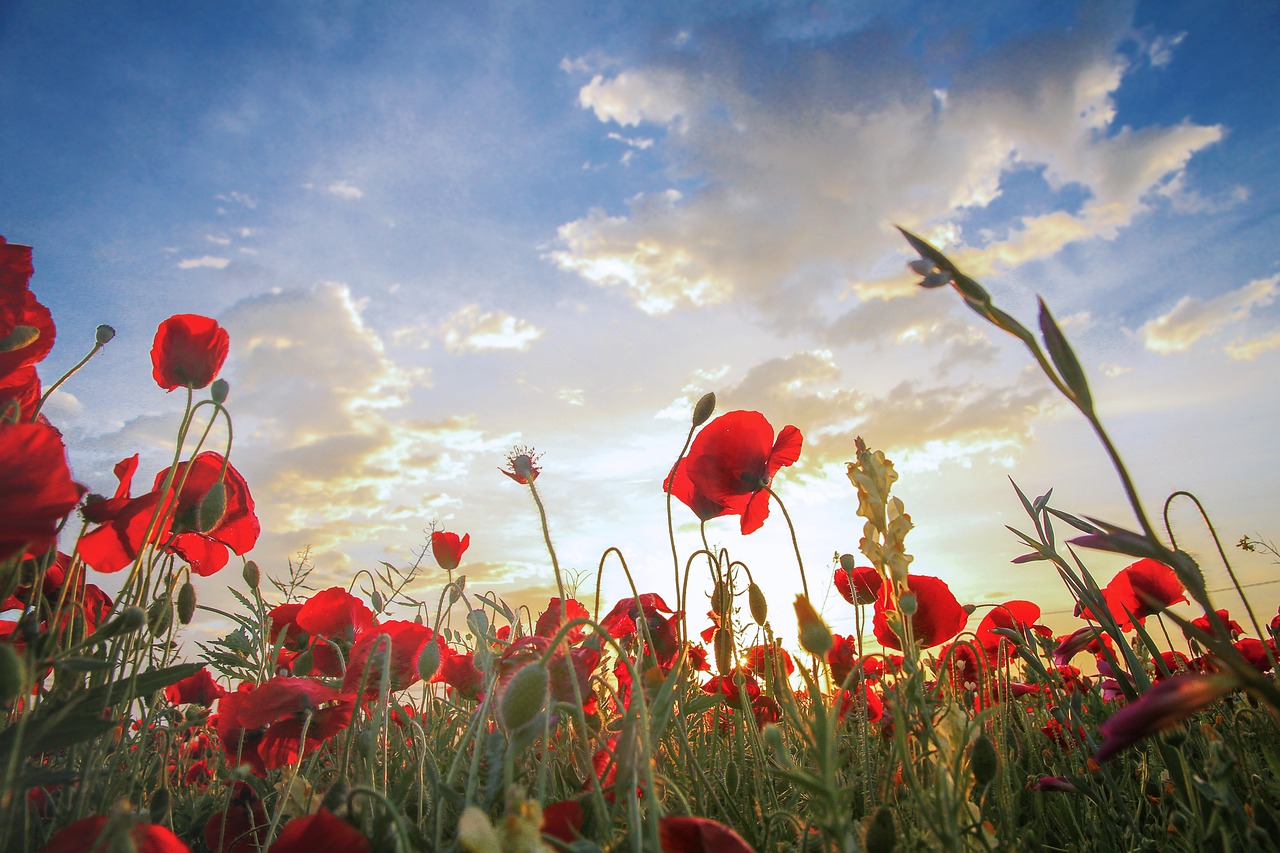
[(435, 231)]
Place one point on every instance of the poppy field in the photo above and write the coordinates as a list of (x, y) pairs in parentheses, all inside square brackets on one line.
[(410, 712)]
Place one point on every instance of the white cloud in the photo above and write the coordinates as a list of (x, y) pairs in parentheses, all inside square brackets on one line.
[(1248, 350), (345, 189), (572, 396), (470, 329), (794, 197), (237, 197), (220, 241), (1191, 319), (207, 261), (1160, 51)]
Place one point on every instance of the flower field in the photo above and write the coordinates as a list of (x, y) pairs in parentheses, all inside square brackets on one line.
[(358, 717)]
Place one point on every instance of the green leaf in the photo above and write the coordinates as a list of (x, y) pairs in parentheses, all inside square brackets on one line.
[(1064, 359), (925, 249)]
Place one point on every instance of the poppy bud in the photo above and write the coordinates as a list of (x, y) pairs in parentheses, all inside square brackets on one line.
[(186, 603), (218, 391), (724, 651), (523, 697), (212, 507), (907, 604), (759, 606), (882, 837), (815, 636), (703, 409), (777, 748), (429, 660), (375, 598), (721, 599), (983, 760), (250, 574), (159, 804), (104, 334), (12, 674), (159, 616)]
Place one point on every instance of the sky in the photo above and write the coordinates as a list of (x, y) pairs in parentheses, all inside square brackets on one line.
[(438, 231)]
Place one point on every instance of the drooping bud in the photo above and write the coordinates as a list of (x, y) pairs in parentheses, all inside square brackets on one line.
[(703, 409), (759, 606), (524, 697), (186, 603), (815, 636), (250, 574)]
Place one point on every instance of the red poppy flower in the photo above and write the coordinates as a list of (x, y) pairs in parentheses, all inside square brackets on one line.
[(336, 614), (447, 548), (621, 620), (15, 281), (320, 831), (522, 465), (1017, 616), (1255, 652), (188, 351), (563, 820), (1203, 623), (549, 623), (36, 489), (270, 719), (767, 660), (736, 455), (1173, 662), (938, 616), (869, 707), (28, 340), (706, 508), (699, 835), (203, 541), (87, 834), (861, 586), (241, 827), (459, 672), (1138, 591), (19, 394), (198, 689), (407, 640)]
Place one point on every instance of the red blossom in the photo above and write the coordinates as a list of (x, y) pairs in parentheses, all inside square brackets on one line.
[(36, 489), (860, 586), (549, 622), (736, 457), (271, 718), (28, 340), (938, 616), (198, 689), (621, 620), (459, 672), (241, 827), (336, 614), (188, 351), (768, 660), (563, 820), (19, 394), (1255, 652), (87, 834), (1203, 623), (406, 641), (1138, 591), (448, 549), (203, 542), (699, 835), (1017, 616), (15, 280), (320, 831)]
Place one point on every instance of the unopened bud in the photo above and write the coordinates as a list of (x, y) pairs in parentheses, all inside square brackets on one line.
[(759, 606), (219, 390), (131, 618), (724, 651), (213, 506), (375, 598), (523, 697), (159, 616), (703, 409), (882, 836), (429, 660), (186, 603), (773, 739), (983, 760), (721, 599), (815, 636), (907, 604), (159, 805), (250, 574), (104, 334)]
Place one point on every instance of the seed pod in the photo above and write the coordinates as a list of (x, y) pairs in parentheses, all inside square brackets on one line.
[(983, 761), (703, 409), (429, 660), (524, 697), (882, 836), (186, 603), (104, 334), (724, 651), (759, 606), (250, 574)]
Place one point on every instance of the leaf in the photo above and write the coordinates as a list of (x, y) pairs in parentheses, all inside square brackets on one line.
[(925, 249), (1064, 359)]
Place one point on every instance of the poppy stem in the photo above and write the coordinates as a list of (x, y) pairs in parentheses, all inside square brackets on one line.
[(795, 543), (546, 536)]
